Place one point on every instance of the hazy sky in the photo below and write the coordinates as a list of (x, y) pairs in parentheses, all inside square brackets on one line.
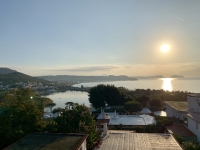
[(100, 37)]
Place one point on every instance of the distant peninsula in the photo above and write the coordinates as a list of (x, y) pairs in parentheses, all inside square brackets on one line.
[(84, 79), (9, 76)]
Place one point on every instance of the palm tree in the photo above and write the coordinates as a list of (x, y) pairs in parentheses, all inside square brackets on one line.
[(51, 105), (69, 104)]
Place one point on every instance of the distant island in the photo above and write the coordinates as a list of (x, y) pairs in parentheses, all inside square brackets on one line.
[(148, 77), (177, 76), (84, 79)]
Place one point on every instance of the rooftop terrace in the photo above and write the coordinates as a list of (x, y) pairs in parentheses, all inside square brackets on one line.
[(116, 119), (139, 141)]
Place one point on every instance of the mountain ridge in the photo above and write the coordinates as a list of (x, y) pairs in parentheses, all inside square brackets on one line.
[(9, 76)]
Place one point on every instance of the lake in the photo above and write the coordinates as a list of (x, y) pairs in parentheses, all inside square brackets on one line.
[(169, 84)]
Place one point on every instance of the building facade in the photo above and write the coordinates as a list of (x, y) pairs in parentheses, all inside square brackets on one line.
[(177, 109), (193, 115)]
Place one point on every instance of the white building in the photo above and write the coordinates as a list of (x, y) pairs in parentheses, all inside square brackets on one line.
[(115, 120), (177, 109), (193, 115), (51, 115)]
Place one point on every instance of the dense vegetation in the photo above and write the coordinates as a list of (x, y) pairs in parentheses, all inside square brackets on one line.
[(103, 95), (76, 119), (21, 113)]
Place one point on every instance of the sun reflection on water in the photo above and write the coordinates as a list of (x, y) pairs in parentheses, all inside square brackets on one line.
[(167, 85)]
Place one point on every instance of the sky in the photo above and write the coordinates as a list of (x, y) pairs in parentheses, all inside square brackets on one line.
[(100, 37)]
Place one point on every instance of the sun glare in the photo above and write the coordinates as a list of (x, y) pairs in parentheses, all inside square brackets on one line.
[(164, 48), (167, 85)]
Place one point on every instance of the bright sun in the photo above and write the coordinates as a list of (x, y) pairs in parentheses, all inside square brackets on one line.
[(164, 48)]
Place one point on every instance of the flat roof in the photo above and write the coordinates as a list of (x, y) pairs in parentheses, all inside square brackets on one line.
[(178, 105), (194, 95), (49, 141), (116, 119), (139, 141), (179, 129)]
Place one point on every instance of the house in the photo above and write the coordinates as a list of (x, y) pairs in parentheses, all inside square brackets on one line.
[(120, 140), (51, 115), (193, 116), (177, 109), (51, 141)]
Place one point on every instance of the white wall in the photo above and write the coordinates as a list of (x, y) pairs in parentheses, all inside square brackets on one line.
[(193, 103), (192, 126), (173, 112), (83, 146)]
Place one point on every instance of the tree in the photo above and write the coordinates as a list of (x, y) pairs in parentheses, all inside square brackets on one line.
[(101, 95), (144, 100), (132, 106), (156, 104), (78, 119), (191, 145), (51, 105), (69, 104), (21, 117), (178, 138), (58, 109)]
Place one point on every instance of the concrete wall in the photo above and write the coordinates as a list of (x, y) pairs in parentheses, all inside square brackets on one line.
[(193, 104), (194, 127)]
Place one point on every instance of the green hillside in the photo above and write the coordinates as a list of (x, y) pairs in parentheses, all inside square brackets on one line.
[(16, 77), (4, 70)]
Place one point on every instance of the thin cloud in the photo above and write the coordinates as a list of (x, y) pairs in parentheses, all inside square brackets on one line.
[(179, 18)]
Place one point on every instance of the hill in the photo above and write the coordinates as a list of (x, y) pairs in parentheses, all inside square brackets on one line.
[(6, 70), (15, 77), (83, 79)]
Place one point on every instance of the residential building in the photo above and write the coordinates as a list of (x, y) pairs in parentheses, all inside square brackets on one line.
[(193, 116), (51, 141), (114, 120), (177, 109)]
